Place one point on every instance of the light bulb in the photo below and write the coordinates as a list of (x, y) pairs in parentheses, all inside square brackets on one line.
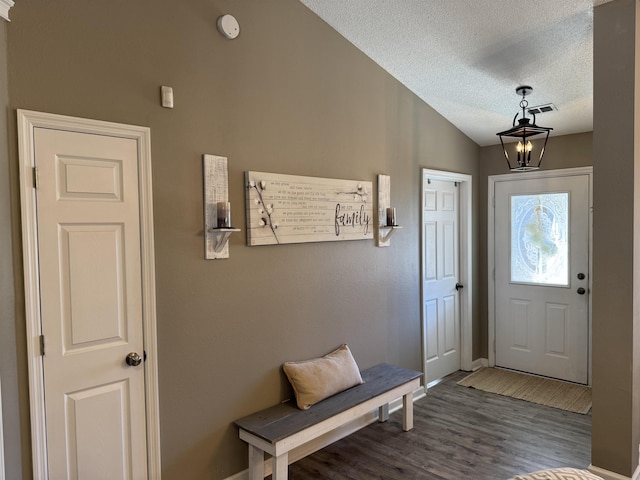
[(520, 147), (529, 146)]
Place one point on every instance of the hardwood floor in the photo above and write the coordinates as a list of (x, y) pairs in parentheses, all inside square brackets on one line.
[(459, 433)]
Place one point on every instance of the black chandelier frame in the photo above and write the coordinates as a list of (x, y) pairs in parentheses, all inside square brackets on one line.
[(524, 130)]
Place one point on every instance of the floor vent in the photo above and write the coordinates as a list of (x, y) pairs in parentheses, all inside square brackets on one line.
[(537, 110)]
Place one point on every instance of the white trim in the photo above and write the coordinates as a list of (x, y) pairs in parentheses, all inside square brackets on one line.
[(493, 179), (2, 470), (27, 122), (5, 6), (479, 363), (466, 264), (607, 475), (331, 437)]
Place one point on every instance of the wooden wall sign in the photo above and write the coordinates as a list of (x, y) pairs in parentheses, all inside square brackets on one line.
[(216, 189), (292, 209)]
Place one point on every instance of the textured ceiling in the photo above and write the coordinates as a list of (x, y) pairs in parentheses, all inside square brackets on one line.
[(465, 58)]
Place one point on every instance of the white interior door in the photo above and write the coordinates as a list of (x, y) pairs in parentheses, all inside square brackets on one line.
[(441, 307), (541, 252), (89, 250)]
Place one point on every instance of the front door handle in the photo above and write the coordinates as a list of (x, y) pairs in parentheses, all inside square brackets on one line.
[(581, 291), (459, 286)]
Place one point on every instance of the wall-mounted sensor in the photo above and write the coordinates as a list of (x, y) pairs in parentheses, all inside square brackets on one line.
[(166, 94), (228, 26)]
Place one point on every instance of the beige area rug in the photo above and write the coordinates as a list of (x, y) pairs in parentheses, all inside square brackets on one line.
[(545, 391)]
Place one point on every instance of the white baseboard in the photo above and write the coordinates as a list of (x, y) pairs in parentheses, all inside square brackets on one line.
[(479, 363), (607, 475), (331, 437)]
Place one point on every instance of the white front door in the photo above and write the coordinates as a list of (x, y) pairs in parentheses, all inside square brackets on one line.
[(91, 289), (541, 256), (440, 272)]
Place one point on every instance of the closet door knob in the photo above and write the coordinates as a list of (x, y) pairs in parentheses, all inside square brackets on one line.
[(133, 359)]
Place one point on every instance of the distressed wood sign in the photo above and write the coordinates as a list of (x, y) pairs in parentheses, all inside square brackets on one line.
[(293, 209), (215, 190)]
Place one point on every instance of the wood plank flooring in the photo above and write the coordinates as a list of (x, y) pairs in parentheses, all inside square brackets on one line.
[(459, 433)]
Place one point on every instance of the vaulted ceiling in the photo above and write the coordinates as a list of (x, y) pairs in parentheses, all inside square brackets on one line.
[(465, 58)]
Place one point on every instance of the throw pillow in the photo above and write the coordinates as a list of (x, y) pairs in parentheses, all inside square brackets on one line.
[(316, 379)]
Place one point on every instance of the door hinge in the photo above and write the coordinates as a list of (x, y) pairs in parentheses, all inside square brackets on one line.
[(35, 177), (42, 345)]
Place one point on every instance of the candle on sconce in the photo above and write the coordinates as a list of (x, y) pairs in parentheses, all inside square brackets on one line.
[(391, 217), (223, 210)]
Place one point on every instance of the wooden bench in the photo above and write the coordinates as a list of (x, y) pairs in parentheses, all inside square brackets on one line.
[(279, 429)]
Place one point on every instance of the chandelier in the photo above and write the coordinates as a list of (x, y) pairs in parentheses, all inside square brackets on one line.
[(525, 155)]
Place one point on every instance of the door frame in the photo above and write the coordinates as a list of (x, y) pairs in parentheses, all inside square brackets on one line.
[(27, 122), (491, 290), (465, 253)]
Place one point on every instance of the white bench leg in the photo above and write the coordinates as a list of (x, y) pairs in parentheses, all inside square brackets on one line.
[(280, 466), (407, 411), (383, 413), (256, 463)]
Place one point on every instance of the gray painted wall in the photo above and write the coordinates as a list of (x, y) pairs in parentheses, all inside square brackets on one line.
[(616, 239), (289, 95), (9, 258)]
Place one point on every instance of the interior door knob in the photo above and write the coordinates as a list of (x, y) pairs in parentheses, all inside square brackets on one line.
[(581, 291), (133, 359), (459, 286)]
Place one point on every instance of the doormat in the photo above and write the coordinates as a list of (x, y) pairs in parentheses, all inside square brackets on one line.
[(544, 391)]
